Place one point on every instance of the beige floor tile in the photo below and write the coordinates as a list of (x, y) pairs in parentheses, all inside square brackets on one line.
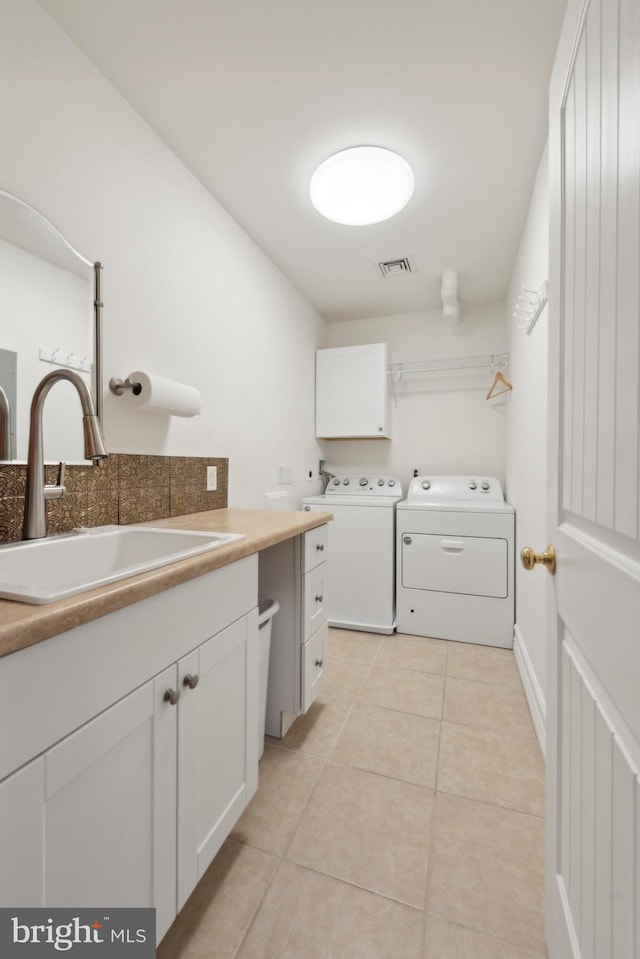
[(309, 916), (317, 730), (492, 766), (344, 679), (368, 830), (286, 780), (486, 870), (390, 743), (220, 910), (486, 663), (351, 644), (406, 690), (413, 652), (447, 940), (482, 704)]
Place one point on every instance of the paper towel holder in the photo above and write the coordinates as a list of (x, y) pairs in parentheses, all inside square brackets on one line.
[(118, 386)]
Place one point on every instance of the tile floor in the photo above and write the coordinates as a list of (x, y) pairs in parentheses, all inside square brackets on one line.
[(401, 818)]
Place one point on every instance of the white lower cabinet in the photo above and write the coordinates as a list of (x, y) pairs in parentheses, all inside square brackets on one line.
[(131, 807), (217, 745), (294, 573), (21, 797), (106, 785)]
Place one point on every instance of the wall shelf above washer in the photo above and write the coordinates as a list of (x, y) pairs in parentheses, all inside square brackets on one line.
[(491, 360)]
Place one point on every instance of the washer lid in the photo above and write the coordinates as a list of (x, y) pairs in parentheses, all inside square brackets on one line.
[(455, 492)]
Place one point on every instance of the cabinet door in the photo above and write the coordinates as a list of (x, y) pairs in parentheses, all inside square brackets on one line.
[(21, 850), (109, 803), (217, 745), (351, 391)]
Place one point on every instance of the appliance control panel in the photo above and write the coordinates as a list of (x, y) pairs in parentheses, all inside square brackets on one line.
[(454, 489), (360, 485)]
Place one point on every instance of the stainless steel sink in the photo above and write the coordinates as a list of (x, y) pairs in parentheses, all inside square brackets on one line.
[(43, 570)]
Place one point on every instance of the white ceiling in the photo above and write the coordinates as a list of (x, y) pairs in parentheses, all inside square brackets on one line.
[(253, 94)]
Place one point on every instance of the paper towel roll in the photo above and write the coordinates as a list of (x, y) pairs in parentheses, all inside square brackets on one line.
[(164, 396)]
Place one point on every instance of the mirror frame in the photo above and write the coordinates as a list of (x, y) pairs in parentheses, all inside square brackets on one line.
[(98, 305)]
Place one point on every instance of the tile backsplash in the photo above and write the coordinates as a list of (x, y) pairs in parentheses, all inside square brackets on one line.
[(126, 488)]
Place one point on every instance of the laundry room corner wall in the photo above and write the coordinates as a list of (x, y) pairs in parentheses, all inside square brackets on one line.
[(527, 477), (188, 295), (440, 422)]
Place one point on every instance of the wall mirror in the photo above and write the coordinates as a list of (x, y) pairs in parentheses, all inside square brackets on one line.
[(50, 310)]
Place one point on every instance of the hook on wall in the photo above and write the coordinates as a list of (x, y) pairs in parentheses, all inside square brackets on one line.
[(529, 306)]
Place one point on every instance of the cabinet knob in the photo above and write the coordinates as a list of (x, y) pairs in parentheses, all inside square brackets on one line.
[(172, 696), (319, 663), (320, 546), (318, 599), (191, 680)]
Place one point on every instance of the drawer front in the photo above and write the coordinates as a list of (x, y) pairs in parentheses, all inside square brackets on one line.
[(313, 666), (316, 542), (314, 610)]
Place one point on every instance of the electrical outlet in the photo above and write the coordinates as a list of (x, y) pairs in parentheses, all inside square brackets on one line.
[(212, 478)]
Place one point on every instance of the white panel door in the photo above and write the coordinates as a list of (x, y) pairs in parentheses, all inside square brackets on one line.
[(106, 786), (217, 744), (593, 707), (21, 847)]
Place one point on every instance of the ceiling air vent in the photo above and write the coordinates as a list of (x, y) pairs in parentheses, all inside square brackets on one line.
[(396, 267)]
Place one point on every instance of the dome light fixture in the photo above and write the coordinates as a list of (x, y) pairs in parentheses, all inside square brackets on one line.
[(362, 185)]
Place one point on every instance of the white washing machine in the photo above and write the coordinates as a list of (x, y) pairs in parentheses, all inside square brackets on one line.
[(361, 564), (455, 560)]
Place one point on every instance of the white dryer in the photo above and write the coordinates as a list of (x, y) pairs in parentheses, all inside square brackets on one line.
[(455, 560), (361, 564)]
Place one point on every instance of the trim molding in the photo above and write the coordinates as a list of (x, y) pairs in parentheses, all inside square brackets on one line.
[(532, 690)]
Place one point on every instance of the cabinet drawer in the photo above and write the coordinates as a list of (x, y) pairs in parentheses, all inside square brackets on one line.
[(313, 668), (315, 547), (314, 611)]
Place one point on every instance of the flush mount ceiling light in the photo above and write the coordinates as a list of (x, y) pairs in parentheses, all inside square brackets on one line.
[(361, 185)]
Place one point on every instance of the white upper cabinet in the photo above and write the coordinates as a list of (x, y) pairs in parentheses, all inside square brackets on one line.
[(351, 392)]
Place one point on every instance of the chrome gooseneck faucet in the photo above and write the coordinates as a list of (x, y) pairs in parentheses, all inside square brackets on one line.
[(35, 513)]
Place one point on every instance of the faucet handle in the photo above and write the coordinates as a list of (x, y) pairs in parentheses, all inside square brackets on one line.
[(57, 489)]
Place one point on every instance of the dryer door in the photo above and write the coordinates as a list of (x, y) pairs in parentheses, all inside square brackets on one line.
[(471, 565)]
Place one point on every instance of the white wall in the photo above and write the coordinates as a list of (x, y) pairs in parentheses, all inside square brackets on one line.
[(527, 446), (441, 422), (187, 294)]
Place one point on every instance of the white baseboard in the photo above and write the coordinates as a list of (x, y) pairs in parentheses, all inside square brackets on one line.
[(532, 689)]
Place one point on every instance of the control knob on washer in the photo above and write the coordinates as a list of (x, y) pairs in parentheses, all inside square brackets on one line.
[(363, 481), (380, 482), (485, 486), (426, 484), (473, 485), (336, 482)]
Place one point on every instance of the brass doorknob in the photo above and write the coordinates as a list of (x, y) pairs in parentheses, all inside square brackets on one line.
[(548, 558)]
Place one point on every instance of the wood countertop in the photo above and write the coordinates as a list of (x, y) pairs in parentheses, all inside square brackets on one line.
[(22, 624)]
